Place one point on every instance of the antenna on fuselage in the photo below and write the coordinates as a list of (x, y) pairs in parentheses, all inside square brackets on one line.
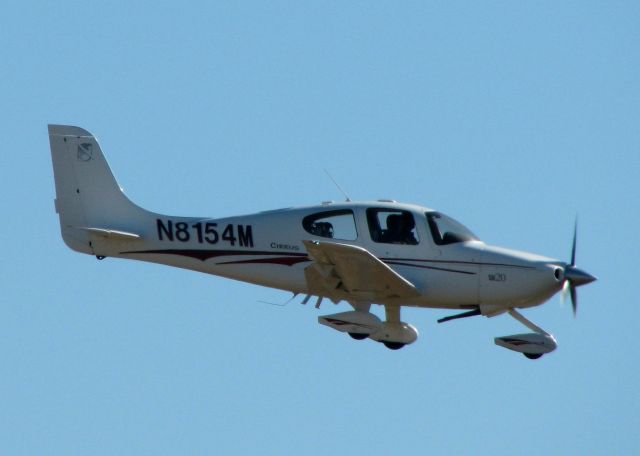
[(337, 185)]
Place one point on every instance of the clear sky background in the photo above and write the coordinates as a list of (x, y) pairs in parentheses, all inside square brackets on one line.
[(511, 116)]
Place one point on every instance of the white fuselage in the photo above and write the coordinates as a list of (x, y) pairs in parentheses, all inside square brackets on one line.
[(371, 252), (267, 249)]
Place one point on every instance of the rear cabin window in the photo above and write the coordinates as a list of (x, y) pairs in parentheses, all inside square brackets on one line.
[(392, 226), (332, 224)]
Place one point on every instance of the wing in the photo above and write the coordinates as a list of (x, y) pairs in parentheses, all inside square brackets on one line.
[(340, 269)]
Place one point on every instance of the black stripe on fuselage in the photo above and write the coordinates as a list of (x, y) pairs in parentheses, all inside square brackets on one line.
[(470, 263), (203, 255), (421, 266), (290, 259)]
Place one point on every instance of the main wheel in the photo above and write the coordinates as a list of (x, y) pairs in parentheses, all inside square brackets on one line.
[(393, 345), (533, 355), (358, 336)]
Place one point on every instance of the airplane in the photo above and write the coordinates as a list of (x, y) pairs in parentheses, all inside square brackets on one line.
[(369, 252)]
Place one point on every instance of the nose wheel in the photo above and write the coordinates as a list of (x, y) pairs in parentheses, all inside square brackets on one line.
[(532, 345)]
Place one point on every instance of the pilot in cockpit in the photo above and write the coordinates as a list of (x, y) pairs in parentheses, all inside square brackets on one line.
[(400, 229)]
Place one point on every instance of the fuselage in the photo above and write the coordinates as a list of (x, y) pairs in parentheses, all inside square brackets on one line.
[(448, 265)]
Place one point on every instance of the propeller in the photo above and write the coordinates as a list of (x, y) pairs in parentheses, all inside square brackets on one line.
[(573, 276)]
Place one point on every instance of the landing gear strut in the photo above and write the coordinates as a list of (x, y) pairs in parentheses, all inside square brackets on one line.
[(360, 324), (532, 345), (393, 333)]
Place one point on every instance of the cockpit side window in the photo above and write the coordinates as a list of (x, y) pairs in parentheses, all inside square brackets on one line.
[(339, 224), (392, 226), (446, 230)]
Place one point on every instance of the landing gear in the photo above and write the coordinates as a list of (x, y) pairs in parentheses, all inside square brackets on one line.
[(393, 345), (393, 333), (533, 355), (360, 324), (532, 345)]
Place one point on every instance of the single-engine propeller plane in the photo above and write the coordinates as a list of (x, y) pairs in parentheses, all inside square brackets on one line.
[(372, 252)]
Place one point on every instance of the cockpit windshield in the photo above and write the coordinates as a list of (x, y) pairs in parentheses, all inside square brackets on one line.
[(446, 230)]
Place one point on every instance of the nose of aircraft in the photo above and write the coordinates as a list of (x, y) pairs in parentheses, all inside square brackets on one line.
[(577, 276), (528, 279), (574, 277)]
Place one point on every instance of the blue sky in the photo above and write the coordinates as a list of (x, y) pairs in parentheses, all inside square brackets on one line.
[(512, 117)]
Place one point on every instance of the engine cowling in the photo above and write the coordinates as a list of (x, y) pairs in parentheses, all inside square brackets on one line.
[(529, 343)]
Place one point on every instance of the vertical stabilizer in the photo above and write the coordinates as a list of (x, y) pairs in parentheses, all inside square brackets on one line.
[(89, 201)]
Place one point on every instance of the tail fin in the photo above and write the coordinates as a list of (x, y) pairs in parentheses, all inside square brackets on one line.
[(89, 201)]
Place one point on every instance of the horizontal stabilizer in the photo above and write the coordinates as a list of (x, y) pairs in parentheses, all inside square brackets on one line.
[(111, 234)]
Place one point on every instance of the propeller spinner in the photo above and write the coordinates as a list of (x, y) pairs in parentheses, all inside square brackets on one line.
[(573, 276)]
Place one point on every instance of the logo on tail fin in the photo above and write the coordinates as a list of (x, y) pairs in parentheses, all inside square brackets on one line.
[(85, 152)]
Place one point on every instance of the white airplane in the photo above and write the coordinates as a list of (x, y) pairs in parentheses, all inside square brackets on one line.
[(372, 252)]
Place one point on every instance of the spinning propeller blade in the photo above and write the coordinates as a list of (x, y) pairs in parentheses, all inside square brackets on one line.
[(574, 277)]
